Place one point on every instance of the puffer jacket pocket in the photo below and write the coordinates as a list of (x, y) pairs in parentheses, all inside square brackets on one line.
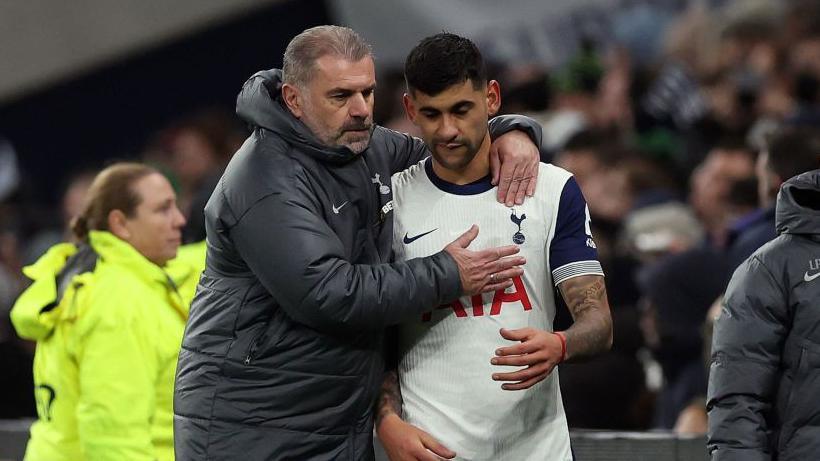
[(800, 413), (262, 339)]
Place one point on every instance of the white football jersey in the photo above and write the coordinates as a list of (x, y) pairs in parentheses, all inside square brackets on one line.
[(444, 355)]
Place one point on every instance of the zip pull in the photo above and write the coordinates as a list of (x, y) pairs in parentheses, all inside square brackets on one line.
[(254, 346)]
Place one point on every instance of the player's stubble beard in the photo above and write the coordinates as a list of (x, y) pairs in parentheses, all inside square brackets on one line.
[(455, 162)]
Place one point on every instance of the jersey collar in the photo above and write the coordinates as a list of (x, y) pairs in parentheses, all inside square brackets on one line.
[(474, 188)]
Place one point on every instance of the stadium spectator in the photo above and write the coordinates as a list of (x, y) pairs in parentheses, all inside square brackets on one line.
[(73, 198), (617, 180), (679, 289), (193, 152), (712, 181), (789, 152)]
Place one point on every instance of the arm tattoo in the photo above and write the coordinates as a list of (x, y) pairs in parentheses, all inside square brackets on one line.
[(592, 331), (389, 397)]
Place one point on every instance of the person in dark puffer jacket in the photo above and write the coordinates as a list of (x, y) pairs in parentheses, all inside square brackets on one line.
[(765, 366)]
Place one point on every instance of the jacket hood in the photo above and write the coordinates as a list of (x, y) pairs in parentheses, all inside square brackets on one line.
[(65, 267), (34, 315), (260, 104), (798, 205)]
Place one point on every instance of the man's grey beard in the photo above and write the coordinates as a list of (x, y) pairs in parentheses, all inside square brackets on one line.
[(357, 147)]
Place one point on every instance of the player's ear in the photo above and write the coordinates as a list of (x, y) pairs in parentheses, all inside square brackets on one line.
[(493, 97), (409, 107), (293, 99)]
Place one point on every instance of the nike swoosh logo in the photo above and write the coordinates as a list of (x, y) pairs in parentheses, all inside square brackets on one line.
[(809, 278), (337, 208), (409, 240)]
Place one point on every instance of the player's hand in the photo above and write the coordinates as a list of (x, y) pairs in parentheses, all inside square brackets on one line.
[(485, 270), (514, 162), (539, 351), (405, 442)]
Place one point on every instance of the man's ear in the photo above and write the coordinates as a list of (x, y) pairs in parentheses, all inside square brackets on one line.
[(293, 99), (409, 107), (493, 97), (118, 224)]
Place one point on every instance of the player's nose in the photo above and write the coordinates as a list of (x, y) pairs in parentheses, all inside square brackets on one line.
[(447, 129)]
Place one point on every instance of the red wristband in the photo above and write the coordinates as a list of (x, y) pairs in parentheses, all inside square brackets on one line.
[(563, 340)]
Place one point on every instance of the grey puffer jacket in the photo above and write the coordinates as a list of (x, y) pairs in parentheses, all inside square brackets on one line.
[(281, 357), (764, 385)]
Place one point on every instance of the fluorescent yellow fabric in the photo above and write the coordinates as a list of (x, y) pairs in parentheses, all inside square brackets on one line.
[(106, 355), (185, 270)]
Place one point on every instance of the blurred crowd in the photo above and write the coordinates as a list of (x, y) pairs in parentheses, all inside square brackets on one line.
[(679, 152)]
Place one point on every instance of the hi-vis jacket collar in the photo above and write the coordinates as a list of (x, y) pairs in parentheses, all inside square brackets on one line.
[(39, 309)]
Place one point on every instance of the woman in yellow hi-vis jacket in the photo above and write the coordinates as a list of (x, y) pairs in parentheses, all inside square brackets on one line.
[(108, 317)]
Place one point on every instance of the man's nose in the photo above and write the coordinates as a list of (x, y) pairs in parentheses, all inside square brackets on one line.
[(447, 129), (359, 106)]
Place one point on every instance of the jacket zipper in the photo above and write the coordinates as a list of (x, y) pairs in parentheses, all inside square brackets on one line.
[(73, 305), (371, 201), (254, 346)]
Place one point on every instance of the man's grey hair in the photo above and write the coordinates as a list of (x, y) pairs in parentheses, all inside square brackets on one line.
[(316, 42)]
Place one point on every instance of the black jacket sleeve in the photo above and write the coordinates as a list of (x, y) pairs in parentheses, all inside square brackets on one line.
[(748, 341), (506, 123), (301, 262), (409, 150)]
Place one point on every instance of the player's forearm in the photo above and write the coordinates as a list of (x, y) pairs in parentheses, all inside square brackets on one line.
[(591, 333), (589, 337), (389, 398)]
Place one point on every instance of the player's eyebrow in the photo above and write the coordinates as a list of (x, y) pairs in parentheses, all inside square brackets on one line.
[(460, 105)]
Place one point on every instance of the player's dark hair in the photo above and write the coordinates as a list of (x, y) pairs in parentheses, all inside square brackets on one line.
[(441, 61)]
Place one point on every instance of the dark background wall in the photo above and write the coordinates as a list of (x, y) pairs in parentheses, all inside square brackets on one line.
[(111, 112)]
